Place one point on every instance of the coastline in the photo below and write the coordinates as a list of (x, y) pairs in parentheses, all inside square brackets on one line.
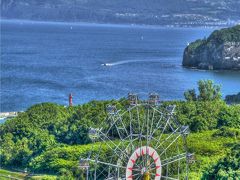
[(99, 24), (7, 115)]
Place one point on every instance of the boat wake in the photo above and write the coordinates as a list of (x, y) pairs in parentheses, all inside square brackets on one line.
[(107, 64), (163, 63)]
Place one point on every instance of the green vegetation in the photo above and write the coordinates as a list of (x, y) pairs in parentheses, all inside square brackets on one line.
[(49, 138), (207, 92), (218, 36), (6, 175), (226, 168), (198, 43), (226, 35)]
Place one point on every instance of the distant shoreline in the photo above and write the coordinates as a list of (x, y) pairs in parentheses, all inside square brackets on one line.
[(106, 24)]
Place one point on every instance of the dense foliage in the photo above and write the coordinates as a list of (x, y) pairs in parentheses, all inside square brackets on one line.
[(207, 92), (217, 37), (51, 138), (226, 168), (226, 35)]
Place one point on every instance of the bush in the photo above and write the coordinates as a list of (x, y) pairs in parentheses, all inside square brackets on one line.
[(226, 168), (229, 116), (65, 174), (227, 132)]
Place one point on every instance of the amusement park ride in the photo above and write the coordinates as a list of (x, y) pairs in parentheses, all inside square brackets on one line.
[(143, 142)]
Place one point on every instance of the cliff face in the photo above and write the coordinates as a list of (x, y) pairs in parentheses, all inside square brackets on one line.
[(233, 99), (221, 50)]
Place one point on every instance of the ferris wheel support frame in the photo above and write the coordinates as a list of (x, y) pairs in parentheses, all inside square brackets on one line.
[(115, 117)]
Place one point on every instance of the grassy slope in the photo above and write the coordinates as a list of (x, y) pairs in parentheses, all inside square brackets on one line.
[(7, 174), (206, 148)]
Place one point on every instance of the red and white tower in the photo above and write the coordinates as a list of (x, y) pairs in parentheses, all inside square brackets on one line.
[(70, 99)]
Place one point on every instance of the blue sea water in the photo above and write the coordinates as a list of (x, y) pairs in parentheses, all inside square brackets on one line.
[(44, 62)]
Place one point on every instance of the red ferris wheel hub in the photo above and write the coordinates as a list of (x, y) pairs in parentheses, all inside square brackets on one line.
[(143, 152)]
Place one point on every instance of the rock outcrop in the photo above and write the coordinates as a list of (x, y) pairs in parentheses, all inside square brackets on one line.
[(233, 99), (221, 50)]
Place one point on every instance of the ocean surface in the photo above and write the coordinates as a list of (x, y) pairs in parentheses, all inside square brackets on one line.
[(44, 62)]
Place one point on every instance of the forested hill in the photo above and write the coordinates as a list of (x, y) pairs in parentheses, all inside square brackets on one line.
[(50, 138), (157, 12), (221, 50)]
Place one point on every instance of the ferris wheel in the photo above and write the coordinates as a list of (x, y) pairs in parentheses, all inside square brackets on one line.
[(142, 142)]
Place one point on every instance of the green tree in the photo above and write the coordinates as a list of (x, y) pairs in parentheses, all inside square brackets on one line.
[(190, 95), (6, 149), (22, 153), (65, 174), (208, 91), (229, 116)]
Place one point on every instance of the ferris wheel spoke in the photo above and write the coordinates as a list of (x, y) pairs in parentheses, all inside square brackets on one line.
[(138, 118), (166, 139), (170, 144), (153, 138), (125, 129), (116, 151), (102, 173), (129, 136), (151, 166), (147, 122), (178, 166), (164, 150), (106, 163), (141, 164), (150, 131), (136, 170), (113, 122), (96, 158), (109, 140), (173, 159), (120, 144), (113, 119), (165, 126), (139, 177), (148, 140), (157, 125), (136, 174), (140, 129), (123, 125), (133, 140), (119, 134), (138, 166), (131, 130), (109, 170), (153, 174), (152, 169)]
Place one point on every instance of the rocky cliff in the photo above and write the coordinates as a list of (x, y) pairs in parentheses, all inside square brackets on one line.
[(233, 99), (221, 50)]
